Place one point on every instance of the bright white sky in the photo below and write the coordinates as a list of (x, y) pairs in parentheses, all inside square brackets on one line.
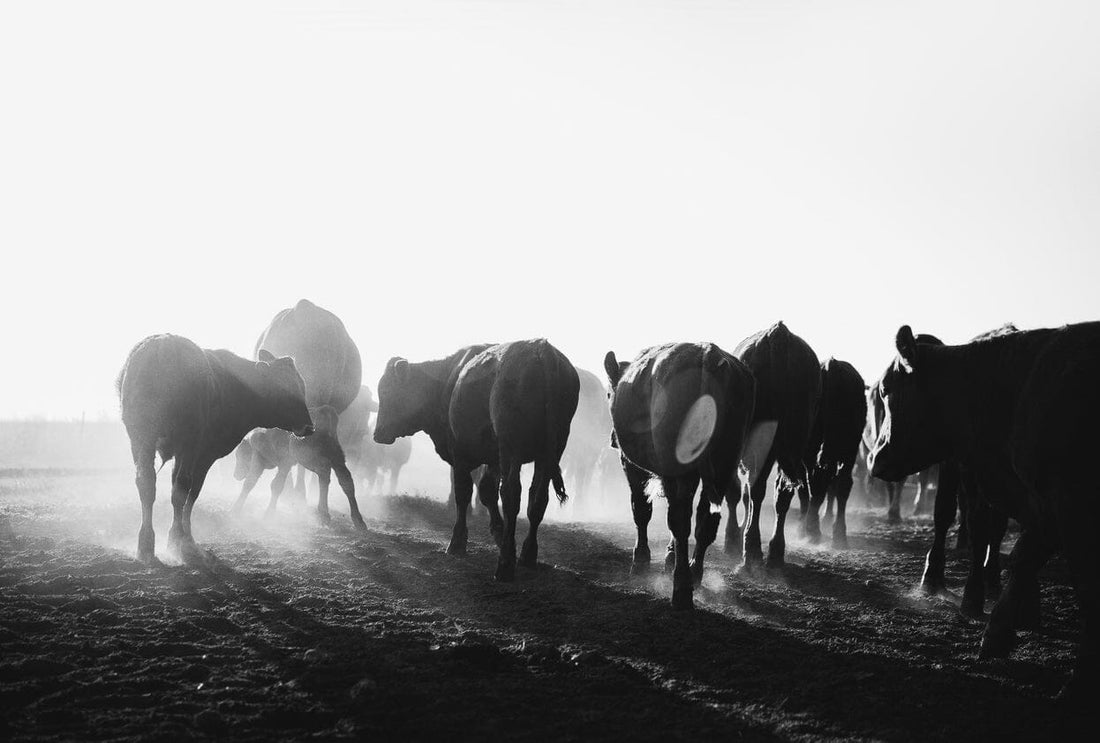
[(606, 174)]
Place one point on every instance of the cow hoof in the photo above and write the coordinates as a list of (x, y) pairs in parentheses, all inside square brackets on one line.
[(528, 558), (840, 542), (996, 643), (506, 571), (324, 517), (191, 554), (359, 523), (776, 563), (642, 555), (457, 548), (813, 537), (733, 547), (993, 589), (893, 518), (696, 567), (147, 557), (639, 567), (681, 600)]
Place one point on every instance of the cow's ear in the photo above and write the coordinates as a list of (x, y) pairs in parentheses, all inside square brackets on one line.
[(907, 346), (401, 368), (264, 355), (611, 366)]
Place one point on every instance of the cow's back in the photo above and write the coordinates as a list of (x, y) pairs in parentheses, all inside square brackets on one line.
[(842, 413), (788, 385), (1056, 426), (661, 388), (166, 390), (324, 353)]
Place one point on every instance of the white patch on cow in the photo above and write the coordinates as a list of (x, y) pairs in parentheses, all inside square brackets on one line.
[(757, 446), (696, 429)]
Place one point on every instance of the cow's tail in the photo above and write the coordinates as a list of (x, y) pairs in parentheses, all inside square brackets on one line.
[(555, 441)]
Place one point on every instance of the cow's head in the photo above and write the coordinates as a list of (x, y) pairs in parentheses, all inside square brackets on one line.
[(401, 402), (615, 370), (910, 436), (287, 393)]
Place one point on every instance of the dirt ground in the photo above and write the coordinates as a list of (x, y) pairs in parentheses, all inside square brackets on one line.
[(293, 628)]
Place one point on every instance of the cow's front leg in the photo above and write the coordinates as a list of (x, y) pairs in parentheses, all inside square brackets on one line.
[(488, 492)]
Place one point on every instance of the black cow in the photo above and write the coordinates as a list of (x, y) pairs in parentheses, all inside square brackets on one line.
[(502, 406), (982, 526), (834, 446), (788, 388), (680, 413), (1019, 411), (195, 405)]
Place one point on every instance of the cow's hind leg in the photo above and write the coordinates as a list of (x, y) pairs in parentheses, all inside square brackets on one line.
[(1027, 557), (255, 469), (537, 498), (347, 484), (278, 485), (784, 495), (510, 491), (179, 536), (893, 493), (488, 491), (734, 493), (973, 600), (146, 480), (840, 488), (998, 525), (462, 486), (642, 510), (820, 478), (932, 581), (754, 552), (679, 523), (324, 477), (707, 520)]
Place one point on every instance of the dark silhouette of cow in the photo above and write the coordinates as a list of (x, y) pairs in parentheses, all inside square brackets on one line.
[(984, 530), (332, 370), (502, 406), (195, 405), (1019, 411), (834, 446), (788, 389), (320, 454), (680, 413), (589, 436)]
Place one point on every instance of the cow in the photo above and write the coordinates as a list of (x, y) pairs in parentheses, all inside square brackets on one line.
[(195, 405), (499, 405), (960, 491), (320, 454), (332, 370), (1019, 411), (680, 413), (378, 461), (589, 436), (834, 446), (788, 388)]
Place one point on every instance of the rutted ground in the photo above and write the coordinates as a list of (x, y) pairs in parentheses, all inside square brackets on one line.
[(294, 628)]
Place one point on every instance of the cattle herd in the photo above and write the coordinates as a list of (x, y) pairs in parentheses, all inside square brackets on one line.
[(1009, 421)]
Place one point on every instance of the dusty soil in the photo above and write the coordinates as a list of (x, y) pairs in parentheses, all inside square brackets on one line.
[(294, 628)]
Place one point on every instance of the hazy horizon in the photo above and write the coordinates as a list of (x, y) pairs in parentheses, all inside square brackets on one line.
[(608, 175)]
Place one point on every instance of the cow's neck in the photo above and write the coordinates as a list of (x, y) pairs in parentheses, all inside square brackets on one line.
[(241, 404), (432, 418)]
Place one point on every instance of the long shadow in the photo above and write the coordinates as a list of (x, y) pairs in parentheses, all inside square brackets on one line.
[(734, 661)]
